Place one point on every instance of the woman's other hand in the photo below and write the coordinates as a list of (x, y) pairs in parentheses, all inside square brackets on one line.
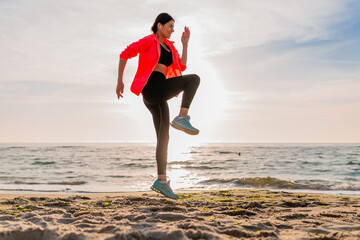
[(185, 36), (120, 89)]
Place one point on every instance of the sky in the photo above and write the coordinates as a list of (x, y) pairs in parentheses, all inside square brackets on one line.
[(271, 71)]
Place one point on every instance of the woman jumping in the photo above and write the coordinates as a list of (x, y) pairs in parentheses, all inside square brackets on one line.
[(159, 79)]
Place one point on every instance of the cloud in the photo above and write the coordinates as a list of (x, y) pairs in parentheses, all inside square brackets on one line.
[(227, 25), (72, 41), (265, 52)]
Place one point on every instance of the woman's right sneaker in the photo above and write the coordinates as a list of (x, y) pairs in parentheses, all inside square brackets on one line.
[(183, 124), (164, 188)]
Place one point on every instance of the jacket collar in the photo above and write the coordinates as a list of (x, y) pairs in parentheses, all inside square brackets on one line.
[(165, 39)]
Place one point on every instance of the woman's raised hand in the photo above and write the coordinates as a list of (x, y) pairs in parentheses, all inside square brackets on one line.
[(120, 89), (185, 36)]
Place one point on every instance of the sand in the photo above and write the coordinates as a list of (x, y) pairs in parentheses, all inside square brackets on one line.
[(226, 214)]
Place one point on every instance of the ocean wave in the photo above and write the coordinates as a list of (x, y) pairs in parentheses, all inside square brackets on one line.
[(270, 182), (226, 152), (29, 190), (353, 163), (204, 167), (69, 146), (52, 183), (13, 147), (43, 163), (180, 162), (138, 165), (118, 176)]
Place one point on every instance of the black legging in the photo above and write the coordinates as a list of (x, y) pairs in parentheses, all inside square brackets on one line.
[(156, 92)]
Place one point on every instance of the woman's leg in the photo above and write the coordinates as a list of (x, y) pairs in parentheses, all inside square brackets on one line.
[(159, 89), (173, 86), (160, 114), (156, 93), (188, 83), (153, 99)]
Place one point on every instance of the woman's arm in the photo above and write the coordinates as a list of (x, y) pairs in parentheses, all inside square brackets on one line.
[(129, 52), (185, 39), (122, 64), (184, 54), (120, 83)]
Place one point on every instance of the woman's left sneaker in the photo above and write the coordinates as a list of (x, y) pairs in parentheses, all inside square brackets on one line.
[(164, 188), (183, 124)]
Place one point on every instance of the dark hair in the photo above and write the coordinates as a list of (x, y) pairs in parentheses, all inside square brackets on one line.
[(162, 18)]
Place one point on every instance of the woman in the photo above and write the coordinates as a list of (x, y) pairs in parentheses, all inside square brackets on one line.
[(159, 78)]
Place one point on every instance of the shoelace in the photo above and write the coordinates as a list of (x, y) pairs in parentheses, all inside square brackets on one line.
[(167, 186), (185, 121), (181, 120)]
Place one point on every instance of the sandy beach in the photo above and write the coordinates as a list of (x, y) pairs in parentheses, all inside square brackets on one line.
[(224, 214)]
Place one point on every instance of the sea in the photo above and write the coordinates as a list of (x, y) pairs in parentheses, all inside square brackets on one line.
[(131, 167)]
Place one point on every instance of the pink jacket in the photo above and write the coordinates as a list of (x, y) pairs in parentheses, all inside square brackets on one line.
[(149, 49)]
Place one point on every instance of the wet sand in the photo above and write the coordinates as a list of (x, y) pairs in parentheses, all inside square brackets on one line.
[(225, 214)]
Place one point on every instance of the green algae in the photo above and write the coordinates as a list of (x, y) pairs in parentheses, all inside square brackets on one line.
[(224, 200), (24, 209), (235, 208), (269, 196), (9, 213)]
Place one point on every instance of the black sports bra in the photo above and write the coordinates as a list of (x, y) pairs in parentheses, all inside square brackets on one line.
[(165, 56)]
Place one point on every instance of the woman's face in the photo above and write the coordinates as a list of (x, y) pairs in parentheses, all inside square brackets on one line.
[(167, 29)]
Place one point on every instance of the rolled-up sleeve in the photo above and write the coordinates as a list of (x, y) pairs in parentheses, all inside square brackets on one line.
[(136, 47), (182, 67)]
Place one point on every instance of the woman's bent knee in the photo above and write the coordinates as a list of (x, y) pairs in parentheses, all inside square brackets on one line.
[(195, 79)]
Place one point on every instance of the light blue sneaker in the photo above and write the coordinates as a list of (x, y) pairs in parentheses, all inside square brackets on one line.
[(183, 124), (164, 188)]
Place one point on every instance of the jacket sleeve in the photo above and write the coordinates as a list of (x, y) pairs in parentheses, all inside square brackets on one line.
[(182, 67), (136, 47)]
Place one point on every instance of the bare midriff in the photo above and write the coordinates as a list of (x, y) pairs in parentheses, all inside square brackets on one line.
[(160, 68)]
